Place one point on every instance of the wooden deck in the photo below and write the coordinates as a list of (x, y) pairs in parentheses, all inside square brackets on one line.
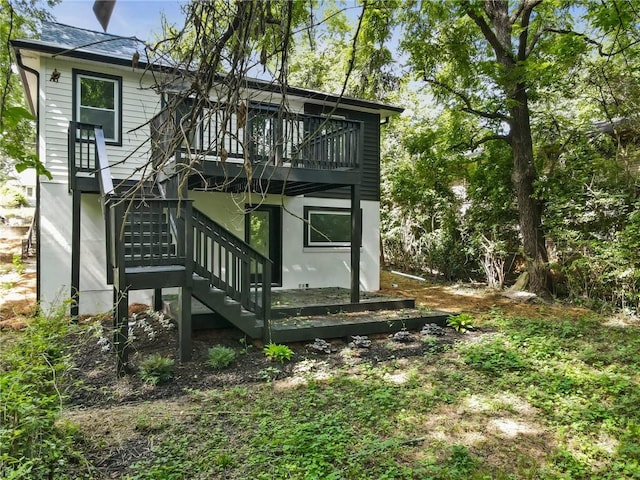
[(301, 315)]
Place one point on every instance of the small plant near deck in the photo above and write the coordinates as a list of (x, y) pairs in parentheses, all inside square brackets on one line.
[(221, 357), (277, 352), (246, 346), (156, 369), (461, 323)]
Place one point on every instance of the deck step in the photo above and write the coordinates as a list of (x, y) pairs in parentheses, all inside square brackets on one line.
[(229, 309), (149, 251), (298, 329)]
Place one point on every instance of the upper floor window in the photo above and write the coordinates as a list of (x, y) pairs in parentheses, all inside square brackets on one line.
[(98, 101)]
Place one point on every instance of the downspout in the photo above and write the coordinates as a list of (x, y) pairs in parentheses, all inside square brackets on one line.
[(35, 107)]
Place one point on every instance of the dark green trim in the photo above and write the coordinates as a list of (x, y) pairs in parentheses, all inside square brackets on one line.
[(356, 240)]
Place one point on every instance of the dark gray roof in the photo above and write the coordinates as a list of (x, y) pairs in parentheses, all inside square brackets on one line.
[(65, 36)]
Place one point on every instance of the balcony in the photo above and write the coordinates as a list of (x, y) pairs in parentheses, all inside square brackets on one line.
[(278, 151)]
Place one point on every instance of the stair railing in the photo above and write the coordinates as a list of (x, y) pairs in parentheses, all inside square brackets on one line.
[(29, 242), (141, 236), (232, 265)]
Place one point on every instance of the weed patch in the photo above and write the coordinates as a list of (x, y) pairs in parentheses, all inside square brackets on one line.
[(34, 443)]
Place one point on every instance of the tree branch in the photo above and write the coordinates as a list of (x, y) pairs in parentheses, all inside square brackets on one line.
[(516, 13), (501, 50), (496, 115), (585, 37), (527, 10), (494, 136), (471, 145), (7, 72)]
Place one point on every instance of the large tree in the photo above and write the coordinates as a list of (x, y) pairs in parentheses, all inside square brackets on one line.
[(494, 59)]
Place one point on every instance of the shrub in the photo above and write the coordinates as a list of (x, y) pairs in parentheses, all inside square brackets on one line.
[(11, 197), (221, 357), (277, 352), (461, 323), (156, 369)]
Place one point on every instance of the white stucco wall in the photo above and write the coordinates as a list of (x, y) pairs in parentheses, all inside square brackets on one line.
[(315, 266), (55, 258)]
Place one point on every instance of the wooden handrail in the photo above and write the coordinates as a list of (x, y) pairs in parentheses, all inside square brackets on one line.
[(27, 243), (104, 170), (232, 265)]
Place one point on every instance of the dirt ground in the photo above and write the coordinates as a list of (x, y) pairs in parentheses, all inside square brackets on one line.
[(17, 290)]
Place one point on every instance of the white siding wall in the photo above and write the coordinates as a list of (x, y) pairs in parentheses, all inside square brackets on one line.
[(138, 106)]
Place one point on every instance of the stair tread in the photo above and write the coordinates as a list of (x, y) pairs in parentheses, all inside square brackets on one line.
[(155, 268)]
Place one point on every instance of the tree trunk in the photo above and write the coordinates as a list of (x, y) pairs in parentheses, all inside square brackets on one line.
[(529, 209), (524, 172)]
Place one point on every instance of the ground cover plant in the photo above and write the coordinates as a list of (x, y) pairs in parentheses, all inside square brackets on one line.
[(33, 372), (524, 397)]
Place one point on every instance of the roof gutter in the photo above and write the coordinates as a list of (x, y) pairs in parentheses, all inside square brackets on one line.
[(23, 68), (35, 110)]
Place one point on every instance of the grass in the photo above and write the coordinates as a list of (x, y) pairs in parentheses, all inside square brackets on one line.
[(521, 398)]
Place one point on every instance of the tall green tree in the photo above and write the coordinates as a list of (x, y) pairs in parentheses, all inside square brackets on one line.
[(494, 59), (18, 18)]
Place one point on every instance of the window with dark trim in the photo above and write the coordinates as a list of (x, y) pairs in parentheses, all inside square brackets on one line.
[(327, 227), (97, 99)]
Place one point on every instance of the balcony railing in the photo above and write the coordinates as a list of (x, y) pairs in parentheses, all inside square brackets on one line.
[(83, 158), (279, 138)]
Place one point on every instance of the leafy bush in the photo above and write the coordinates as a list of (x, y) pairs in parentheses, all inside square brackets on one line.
[(595, 240), (277, 352), (18, 264), (221, 357), (11, 197), (460, 323), (156, 369)]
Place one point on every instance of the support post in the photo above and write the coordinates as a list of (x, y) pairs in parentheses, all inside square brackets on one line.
[(120, 293), (121, 328), (266, 302), (356, 240), (75, 254), (157, 299), (184, 322), (184, 325)]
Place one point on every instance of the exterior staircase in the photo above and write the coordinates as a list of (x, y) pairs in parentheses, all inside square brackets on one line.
[(154, 242), (156, 239)]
